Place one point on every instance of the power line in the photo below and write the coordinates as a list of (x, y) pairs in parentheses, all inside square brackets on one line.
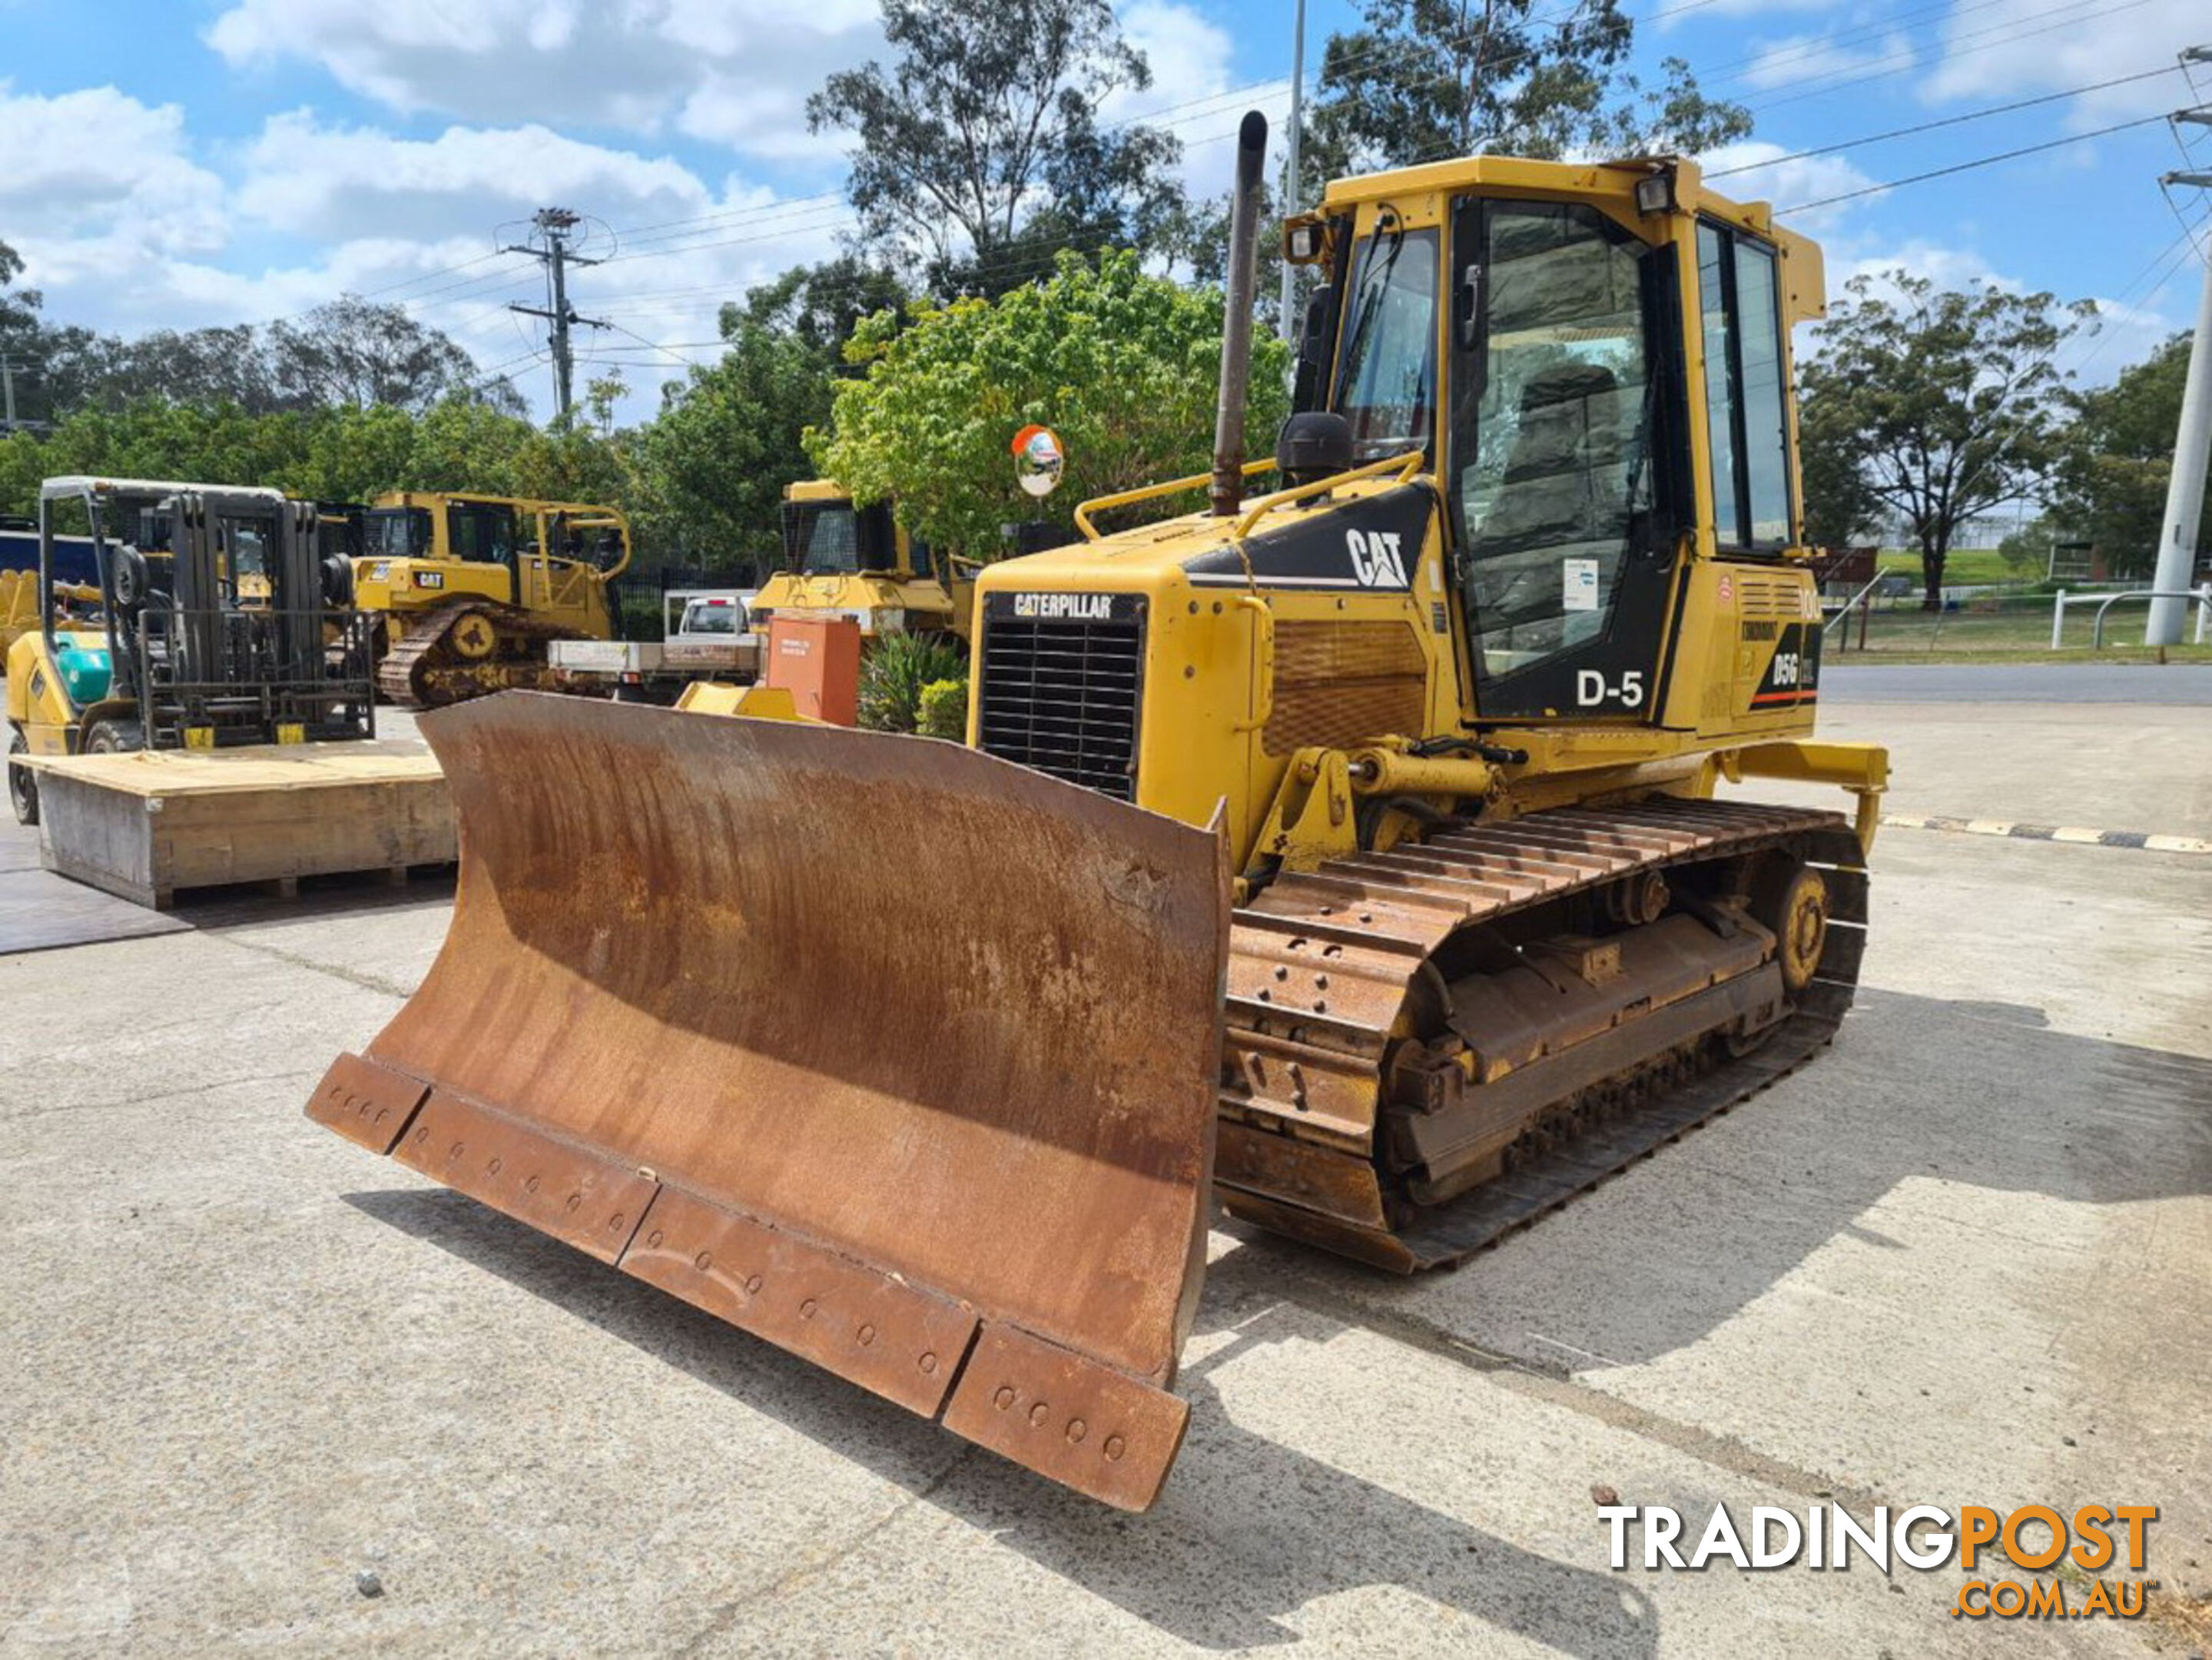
[(1978, 161), (1948, 121)]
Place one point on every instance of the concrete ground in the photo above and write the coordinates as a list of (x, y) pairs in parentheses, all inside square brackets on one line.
[(1960, 1259)]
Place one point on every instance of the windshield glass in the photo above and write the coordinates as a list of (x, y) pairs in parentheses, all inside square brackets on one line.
[(1387, 381), (248, 548), (396, 532), (823, 537), (710, 616)]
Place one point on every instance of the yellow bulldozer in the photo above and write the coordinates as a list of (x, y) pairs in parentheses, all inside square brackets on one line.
[(468, 589), (1350, 851), (843, 559)]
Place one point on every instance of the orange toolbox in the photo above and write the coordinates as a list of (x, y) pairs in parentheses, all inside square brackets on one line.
[(818, 661)]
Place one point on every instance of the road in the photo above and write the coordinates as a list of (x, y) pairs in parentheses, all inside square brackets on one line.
[(1958, 1259), (2188, 685)]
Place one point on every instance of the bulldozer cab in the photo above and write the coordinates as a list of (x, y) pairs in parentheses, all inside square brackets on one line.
[(859, 561), (1538, 350), (825, 533)]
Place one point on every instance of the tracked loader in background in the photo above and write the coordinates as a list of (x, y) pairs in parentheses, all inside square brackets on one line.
[(468, 591), (845, 560), (1349, 851)]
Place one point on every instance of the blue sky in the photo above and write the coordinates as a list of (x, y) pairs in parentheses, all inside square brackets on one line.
[(167, 164)]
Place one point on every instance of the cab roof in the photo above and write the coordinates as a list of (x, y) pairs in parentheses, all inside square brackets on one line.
[(1611, 182)]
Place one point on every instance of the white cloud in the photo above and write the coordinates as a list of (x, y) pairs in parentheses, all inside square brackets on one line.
[(66, 197), (735, 74), (2122, 332), (1754, 170), (130, 234), (2014, 49), (1195, 91), (1945, 265), (332, 182), (141, 229), (1800, 59)]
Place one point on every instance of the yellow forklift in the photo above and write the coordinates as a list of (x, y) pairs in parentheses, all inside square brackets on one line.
[(166, 651)]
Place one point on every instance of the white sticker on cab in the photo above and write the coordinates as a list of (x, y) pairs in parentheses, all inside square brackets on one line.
[(1579, 581)]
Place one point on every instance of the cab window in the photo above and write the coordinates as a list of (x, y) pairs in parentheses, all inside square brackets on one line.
[(1387, 379), (396, 534), (245, 544), (481, 531), (822, 538), (1746, 401), (710, 616), (1552, 480)]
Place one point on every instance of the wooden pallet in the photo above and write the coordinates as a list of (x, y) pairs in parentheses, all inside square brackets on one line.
[(150, 826)]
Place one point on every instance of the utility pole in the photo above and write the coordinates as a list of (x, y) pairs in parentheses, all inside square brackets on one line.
[(2192, 454), (1288, 328), (548, 246)]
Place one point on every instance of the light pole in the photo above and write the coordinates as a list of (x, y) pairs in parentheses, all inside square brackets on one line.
[(1288, 327), (2192, 453)]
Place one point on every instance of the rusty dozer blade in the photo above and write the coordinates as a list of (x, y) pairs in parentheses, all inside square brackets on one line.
[(899, 1056)]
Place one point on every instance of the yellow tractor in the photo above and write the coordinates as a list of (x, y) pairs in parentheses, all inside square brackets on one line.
[(468, 589), (1350, 851), (842, 559)]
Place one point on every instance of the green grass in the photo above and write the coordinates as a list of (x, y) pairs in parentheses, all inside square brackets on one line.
[(1966, 568), (1997, 628)]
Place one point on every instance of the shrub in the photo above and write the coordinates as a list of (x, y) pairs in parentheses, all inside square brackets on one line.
[(893, 672), (945, 709)]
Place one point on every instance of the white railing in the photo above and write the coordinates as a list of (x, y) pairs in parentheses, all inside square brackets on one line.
[(2059, 601)]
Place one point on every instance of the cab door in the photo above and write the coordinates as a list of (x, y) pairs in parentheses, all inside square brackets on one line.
[(1563, 472), (483, 532)]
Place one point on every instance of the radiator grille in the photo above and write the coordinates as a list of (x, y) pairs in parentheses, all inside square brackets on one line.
[(1338, 682), (1061, 695)]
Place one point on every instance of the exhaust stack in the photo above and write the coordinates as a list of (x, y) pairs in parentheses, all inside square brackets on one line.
[(1227, 487)]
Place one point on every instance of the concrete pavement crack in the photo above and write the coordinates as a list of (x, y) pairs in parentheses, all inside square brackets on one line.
[(1557, 1386), (365, 982), (726, 1614)]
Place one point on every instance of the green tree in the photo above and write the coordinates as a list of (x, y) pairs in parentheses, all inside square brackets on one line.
[(1841, 507), (2026, 552), (1424, 80), (820, 304), (978, 149), (1121, 364), (1948, 404), (356, 353), (341, 454), (19, 307), (2112, 481), (709, 472), (153, 438)]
